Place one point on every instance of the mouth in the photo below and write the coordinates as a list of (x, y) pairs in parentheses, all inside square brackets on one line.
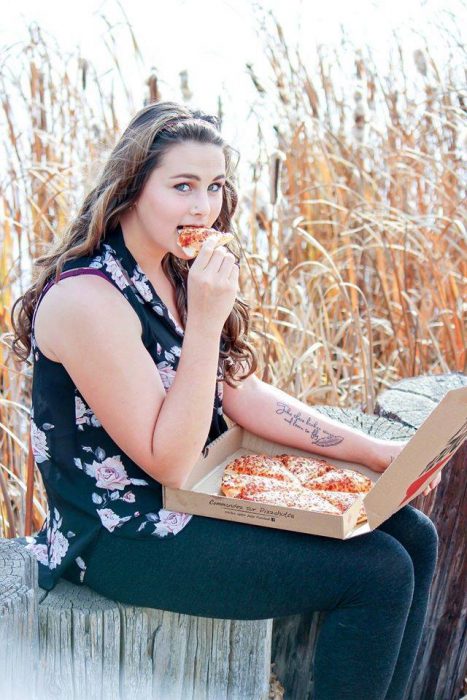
[(192, 226)]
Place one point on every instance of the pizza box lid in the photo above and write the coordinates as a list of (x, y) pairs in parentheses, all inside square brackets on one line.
[(426, 453)]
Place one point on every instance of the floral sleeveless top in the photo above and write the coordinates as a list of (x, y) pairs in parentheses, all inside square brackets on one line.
[(90, 482)]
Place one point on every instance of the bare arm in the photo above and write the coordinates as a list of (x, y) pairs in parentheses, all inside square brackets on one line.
[(275, 415), (186, 414), (96, 335)]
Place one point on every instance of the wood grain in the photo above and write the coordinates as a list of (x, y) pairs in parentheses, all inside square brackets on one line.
[(73, 643)]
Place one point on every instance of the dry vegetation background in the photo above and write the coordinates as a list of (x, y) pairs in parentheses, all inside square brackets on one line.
[(352, 229)]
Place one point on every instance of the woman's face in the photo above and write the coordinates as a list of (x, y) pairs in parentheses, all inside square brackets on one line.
[(186, 189)]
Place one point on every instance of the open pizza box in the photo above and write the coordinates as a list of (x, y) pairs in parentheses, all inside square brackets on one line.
[(426, 453)]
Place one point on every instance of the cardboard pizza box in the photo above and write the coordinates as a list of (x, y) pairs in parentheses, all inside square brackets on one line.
[(426, 453)]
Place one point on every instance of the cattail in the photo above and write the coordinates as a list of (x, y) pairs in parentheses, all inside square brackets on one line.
[(83, 66), (361, 117), (420, 62), (152, 83), (186, 92), (275, 168)]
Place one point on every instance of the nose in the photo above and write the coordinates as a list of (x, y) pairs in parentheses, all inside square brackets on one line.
[(201, 205)]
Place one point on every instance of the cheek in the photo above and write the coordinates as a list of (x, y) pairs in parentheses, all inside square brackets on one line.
[(162, 204)]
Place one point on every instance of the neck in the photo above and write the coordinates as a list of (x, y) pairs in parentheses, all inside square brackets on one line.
[(147, 255)]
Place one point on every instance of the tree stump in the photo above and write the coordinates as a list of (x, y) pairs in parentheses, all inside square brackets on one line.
[(91, 648), (441, 659), (18, 619)]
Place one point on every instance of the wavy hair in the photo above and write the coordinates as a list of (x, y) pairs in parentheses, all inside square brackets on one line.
[(140, 149)]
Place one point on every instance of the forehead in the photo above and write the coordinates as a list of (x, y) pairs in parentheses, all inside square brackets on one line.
[(191, 157)]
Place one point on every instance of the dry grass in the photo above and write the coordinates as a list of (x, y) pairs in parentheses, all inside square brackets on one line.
[(354, 258)]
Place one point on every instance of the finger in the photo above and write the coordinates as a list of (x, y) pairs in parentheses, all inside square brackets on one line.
[(235, 271), (226, 263), (207, 252)]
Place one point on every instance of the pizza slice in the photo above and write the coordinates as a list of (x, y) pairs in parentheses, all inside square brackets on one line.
[(346, 480), (305, 468), (235, 485), (262, 465), (291, 498), (191, 238), (341, 500)]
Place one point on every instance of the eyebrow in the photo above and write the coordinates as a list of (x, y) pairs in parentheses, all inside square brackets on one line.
[(195, 177)]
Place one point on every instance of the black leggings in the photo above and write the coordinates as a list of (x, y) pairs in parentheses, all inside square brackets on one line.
[(374, 589)]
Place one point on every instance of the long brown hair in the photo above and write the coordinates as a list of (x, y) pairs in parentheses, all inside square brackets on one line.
[(140, 149)]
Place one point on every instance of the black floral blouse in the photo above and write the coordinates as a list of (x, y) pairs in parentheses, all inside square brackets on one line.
[(90, 482)]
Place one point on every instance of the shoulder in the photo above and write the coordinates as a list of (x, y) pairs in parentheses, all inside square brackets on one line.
[(81, 299)]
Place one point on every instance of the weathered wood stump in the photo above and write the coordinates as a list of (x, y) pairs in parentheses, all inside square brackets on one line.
[(18, 620), (441, 660), (91, 648), (442, 657)]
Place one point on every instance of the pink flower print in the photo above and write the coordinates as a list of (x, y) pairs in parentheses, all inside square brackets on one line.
[(80, 562), (58, 547), (142, 286), (171, 522), (177, 327), (109, 519), (39, 442), (109, 474), (80, 411), (115, 271), (84, 415), (129, 497), (39, 551), (167, 374)]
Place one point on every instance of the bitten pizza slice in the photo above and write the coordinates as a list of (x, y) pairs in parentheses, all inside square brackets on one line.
[(345, 480), (191, 238)]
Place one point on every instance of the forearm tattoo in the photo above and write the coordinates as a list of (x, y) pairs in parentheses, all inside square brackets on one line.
[(318, 435)]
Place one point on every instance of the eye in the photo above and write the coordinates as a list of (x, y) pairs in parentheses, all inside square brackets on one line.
[(214, 184), (219, 185)]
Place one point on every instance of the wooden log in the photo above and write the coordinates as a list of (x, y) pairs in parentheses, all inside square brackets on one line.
[(441, 660), (89, 648), (442, 656), (18, 620)]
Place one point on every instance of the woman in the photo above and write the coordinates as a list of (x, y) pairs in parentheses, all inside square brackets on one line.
[(107, 432)]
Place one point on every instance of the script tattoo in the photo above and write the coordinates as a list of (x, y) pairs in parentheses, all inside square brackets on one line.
[(318, 435)]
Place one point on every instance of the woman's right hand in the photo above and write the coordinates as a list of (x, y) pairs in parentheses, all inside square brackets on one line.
[(212, 287)]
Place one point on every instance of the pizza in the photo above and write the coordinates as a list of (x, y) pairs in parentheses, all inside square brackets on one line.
[(296, 482), (191, 238)]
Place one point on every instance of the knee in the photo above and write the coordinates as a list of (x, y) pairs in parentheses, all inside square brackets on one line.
[(421, 536), (428, 533), (387, 576)]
